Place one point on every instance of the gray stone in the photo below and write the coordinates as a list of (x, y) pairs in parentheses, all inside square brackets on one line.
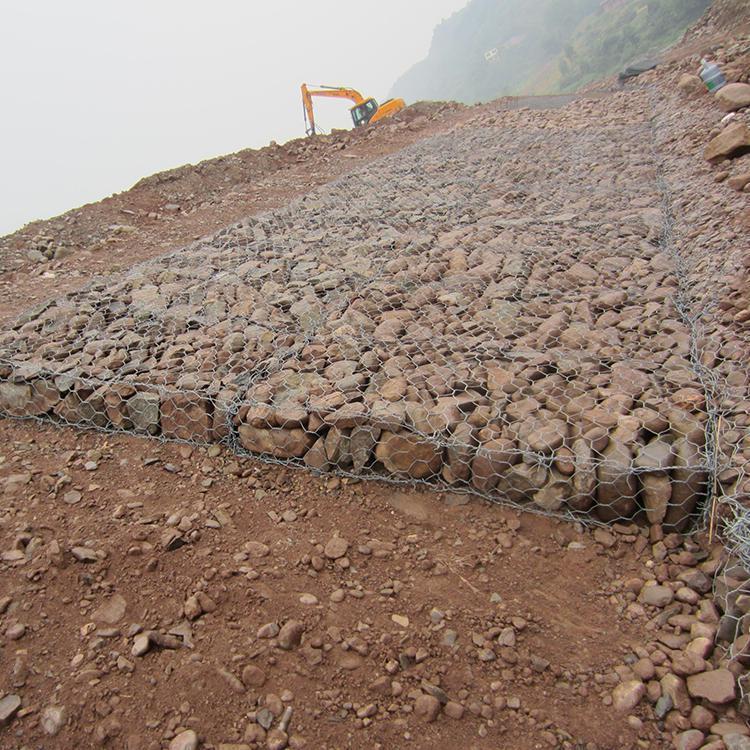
[(618, 486), (143, 412), (53, 719), (9, 706)]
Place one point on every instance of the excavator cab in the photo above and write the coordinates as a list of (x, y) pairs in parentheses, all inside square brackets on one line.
[(363, 113)]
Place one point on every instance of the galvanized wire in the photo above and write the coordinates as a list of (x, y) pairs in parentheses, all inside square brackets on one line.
[(478, 312)]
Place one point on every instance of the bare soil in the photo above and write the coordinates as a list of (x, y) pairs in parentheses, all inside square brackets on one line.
[(484, 568)]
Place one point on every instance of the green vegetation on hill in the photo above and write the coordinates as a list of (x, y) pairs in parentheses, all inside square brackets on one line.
[(493, 48)]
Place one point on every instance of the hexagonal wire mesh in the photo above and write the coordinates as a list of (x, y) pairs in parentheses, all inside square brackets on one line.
[(523, 310)]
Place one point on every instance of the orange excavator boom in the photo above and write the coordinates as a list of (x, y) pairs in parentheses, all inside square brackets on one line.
[(337, 92)]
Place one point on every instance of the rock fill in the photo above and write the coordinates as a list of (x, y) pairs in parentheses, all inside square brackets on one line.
[(503, 309)]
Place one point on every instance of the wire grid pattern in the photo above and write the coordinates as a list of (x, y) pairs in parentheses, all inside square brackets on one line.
[(710, 250), (507, 310)]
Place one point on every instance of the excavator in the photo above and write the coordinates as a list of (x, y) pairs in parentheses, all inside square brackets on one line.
[(363, 112)]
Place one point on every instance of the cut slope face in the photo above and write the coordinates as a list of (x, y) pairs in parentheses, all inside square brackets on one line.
[(498, 309)]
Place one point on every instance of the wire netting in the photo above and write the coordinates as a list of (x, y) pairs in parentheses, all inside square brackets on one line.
[(522, 309)]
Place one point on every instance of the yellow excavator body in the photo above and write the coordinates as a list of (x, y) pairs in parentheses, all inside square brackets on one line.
[(364, 111)]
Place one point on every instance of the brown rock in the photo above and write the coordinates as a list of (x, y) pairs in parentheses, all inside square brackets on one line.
[(409, 454), (143, 412), (655, 459), (726, 728), (15, 399), (701, 718), (584, 479), (687, 663), (290, 634), (336, 547), (394, 389), (644, 668), (453, 710), (254, 733), (186, 417), (362, 442), (9, 706), (627, 695), (279, 442), (253, 677), (692, 739), (544, 436), (732, 141), (316, 457), (111, 612), (460, 451), (554, 494), (192, 608), (53, 719), (688, 484), (656, 596), (738, 182), (187, 740), (717, 686), (674, 687), (522, 481), (691, 85), (427, 707), (492, 459), (731, 742), (618, 486), (277, 739)]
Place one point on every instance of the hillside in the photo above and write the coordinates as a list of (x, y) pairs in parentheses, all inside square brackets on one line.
[(496, 48)]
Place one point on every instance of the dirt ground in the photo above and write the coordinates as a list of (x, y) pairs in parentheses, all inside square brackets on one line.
[(426, 583)]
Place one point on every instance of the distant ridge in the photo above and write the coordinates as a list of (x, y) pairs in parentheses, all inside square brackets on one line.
[(495, 48)]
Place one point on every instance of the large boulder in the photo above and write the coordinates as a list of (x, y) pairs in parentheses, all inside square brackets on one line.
[(618, 486), (690, 85), (278, 442), (734, 96), (654, 461), (732, 141), (409, 454)]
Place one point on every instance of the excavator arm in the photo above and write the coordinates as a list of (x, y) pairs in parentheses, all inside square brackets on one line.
[(337, 92)]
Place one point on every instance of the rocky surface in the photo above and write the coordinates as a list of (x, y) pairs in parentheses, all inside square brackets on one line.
[(569, 332), (486, 310), (172, 208)]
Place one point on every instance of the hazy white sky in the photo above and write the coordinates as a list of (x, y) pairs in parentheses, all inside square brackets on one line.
[(95, 94)]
